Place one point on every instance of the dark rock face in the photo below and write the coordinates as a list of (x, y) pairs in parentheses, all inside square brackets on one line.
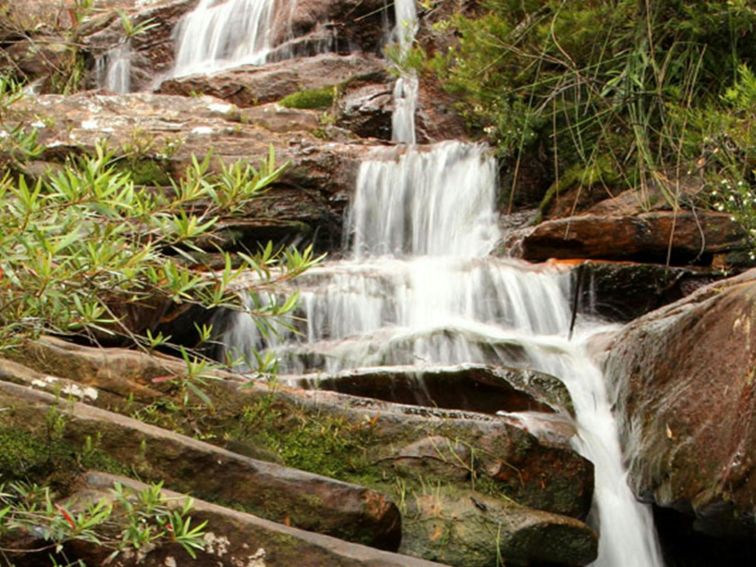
[(466, 387), (688, 237), (623, 291), (685, 388)]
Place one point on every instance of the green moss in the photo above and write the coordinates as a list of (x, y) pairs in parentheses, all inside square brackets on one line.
[(327, 445), (310, 98)]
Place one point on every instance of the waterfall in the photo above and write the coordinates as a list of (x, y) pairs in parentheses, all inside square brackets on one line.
[(406, 87), (219, 35), (420, 288), (422, 213), (113, 69)]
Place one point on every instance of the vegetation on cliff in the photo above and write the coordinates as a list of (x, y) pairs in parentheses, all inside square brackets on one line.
[(615, 95)]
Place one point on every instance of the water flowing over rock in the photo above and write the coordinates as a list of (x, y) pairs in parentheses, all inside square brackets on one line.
[(684, 382), (113, 69), (220, 35), (420, 289), (406, 87), (421, 213)]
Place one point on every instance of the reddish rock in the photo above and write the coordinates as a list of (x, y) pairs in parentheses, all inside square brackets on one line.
[(689, 237), (252, 85), (685, 388)]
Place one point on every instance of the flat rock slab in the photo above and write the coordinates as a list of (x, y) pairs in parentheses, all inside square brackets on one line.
[(254, 85), (161, 133), (306, 500), (465, 387), (232, 539), (688, 237), (685, 388)]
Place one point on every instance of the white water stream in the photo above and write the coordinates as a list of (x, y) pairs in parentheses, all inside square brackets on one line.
[(420, 288), (219, 35), (113, 69)]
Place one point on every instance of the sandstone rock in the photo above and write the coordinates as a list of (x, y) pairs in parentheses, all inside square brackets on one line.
[(153, 52), (254, 85), (281, 494), (232, 539), (163, 132), (465, 387), (686, 395), (508, 455), (692, 237), (365, 109), (472, 527), (443, 457), (299, 29)]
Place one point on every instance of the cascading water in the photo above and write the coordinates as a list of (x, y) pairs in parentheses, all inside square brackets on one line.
[(406, 87), (420, 289), (219, 35), (113, 69)]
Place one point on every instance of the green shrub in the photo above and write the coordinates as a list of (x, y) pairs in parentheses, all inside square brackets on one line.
[(646, 85)]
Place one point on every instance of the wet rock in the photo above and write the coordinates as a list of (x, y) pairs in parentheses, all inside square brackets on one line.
[(686, 237), (365, 109), (152, 52), (299, 29), (281, 494), (622, 291), (469, 528), (436, 119), (232, 538), (254, 85), (464, 387), (685, 391)]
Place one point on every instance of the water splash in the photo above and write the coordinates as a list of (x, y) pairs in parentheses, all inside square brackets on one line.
[(220, 35), (113, 69)]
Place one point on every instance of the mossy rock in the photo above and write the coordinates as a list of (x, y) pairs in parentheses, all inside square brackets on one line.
[(310, 98)]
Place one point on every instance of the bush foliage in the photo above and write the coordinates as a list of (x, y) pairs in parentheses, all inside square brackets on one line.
[(656, 91)]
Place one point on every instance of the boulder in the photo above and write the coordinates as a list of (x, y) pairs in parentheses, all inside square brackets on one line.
[(253, 85), (281, 494), (466, 524), (232, 538), (685, 237), (685, 389)]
